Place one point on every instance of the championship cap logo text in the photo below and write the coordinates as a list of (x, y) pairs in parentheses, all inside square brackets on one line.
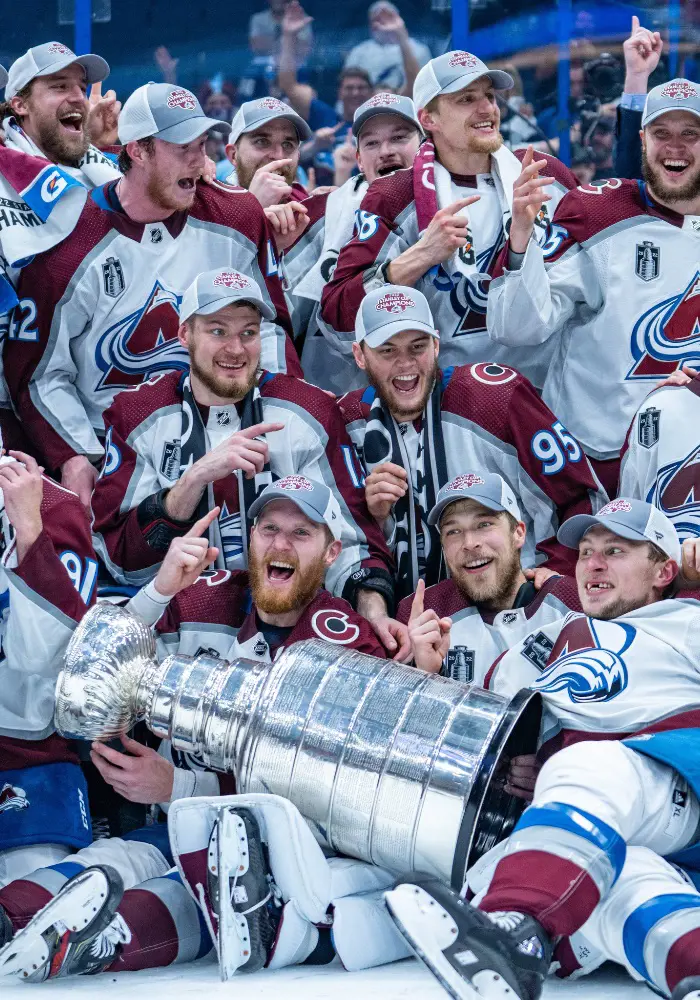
[(57, 47), (271, 104), (679, 90), (381, 100), (182, 98), (614, 507), (294, 483), (394, 302), (465, 59), (231, 279), (465, 482)]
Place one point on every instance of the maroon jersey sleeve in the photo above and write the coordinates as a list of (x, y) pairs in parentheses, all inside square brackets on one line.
[(443, 598), (218, 597), (384, 200)]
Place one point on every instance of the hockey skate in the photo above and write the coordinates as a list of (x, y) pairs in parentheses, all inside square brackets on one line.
[(77, 933), (474, 955), (687, 989)]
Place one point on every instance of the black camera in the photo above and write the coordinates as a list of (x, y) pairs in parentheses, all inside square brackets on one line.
[(603, 78)]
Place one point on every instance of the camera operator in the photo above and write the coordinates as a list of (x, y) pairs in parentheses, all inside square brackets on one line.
[(642, 53)]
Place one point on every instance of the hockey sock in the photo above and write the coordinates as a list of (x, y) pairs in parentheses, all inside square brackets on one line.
[(23, 898), (661, 939)]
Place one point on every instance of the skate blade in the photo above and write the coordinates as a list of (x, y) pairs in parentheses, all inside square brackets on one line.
[(429, 929), (76, 908), (230, 844)]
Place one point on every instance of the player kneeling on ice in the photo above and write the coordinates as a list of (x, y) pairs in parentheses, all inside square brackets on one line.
[(621, 741), (294, 541)]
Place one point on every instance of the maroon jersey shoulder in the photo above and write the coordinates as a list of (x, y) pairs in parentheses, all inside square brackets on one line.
[(388, 196), (563, 588), (444, 598), (592, 208), (484, 393), (63, 260), (555, 168), (310, 398), (218, 598), (62, 509), (226, 205), (315, 205), (132, 406)]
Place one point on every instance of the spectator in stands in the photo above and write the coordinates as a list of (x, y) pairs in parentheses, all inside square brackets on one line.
[(390, 56), (265, 31), (642, 52)]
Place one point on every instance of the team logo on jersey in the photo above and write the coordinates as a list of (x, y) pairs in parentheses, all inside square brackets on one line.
[(465, 482), (260, 647), (156, 236), (215, 577), (142, 343), (334, 626), (667, 335), (113, 277), (648, 261), (382, 100), (509, 617), (600, 187), (181, 98), (461, 58), (460, 664), (231, 279), (223, 418), (537, 648), (492, 374), (648, 427), (13, 797), (677, 492), (588, 662), (170, 462), (293, 483), (680, 90)]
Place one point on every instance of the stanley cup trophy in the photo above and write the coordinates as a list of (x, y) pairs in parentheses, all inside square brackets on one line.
[(386, 763)]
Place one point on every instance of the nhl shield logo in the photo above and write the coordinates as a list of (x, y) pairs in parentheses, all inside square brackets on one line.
[(648, 429), (460, 664), (648, 261), (113, 277)]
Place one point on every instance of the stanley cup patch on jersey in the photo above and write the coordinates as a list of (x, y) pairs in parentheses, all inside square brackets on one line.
[(648, 261), (460, 664), (648, 429), (170, 462), (113, 277)]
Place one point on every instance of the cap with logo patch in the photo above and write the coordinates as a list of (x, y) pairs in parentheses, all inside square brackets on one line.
[(254, 114), (313, 498), (633, 519), (676, 95), (214, 290), (3, 77), (451, 72), (389, 310), (166, 112), (488, 488), (385, 104), (51, 57)]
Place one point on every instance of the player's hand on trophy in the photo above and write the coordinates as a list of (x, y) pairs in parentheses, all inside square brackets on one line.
[(139, 775), (187, 557), (269, 186), (539, 575), (386, 484), (103, 117), (690, 562), (681, 376), (642, 51), (429, 634), (23, 491), (528, 198), (522, 776), (79, 475), (287, 222), (446, 232)]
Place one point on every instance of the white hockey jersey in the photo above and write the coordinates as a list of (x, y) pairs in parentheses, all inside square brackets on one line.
[(618, 286), (661, 459), (636, 675)]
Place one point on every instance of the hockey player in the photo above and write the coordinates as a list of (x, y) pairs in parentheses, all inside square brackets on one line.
[(174, 444), (622, 257), (422, 426), (460, 626), (115, 284), (439, 228), (295, 540), (387, 136), (620, 742), (264, 149), (660, 460)]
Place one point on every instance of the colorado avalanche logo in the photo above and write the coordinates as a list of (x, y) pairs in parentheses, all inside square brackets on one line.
[(181, 98), (13, 797), (394, 302), (294, 483), (272, 104), (677, 492), (465, 482), (596, 673), (382, 100), (57, 48), (492, 374), (231, 279), (142, 343), (667, 335), (679, 90), (615, 507), (465, 59), (334, 626)]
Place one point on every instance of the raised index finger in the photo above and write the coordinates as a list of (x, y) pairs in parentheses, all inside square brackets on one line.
[(257, 429), (457, 206), (275, 165), (200, 526), (418, 600)]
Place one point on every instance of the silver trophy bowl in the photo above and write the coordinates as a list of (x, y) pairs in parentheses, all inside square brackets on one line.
[(386, 763)]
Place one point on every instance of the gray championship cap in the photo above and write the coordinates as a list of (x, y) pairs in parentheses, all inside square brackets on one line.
[(214, 290), (51, 57), (385, 104), (3, 77), (166, 112), (489, 489), (254, 114), (313, 498), (634, 519), (451, 72), (389, 310), (676, 95)]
